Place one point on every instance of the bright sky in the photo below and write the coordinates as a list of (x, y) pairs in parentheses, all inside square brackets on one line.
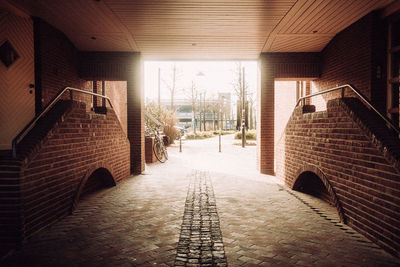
[(218, 77)]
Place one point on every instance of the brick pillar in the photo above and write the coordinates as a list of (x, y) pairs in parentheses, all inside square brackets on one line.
[(265, 121), (308, 92), (135, 115)]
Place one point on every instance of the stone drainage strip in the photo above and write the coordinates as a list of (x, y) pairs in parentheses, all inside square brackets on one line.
[(200, 241)]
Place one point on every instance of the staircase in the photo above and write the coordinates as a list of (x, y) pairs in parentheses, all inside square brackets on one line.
[(43, 126), (351, 149), (9, 201), (372, 124)]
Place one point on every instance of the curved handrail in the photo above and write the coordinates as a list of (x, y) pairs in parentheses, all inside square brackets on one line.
[(33, 122), (359, 94)]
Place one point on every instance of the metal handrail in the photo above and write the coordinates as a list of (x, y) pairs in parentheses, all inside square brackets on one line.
[(343, 87), (33, 122)]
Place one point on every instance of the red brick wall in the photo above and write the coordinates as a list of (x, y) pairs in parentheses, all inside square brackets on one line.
[(272, 66), (116, 91), (265, 120), (128, 67), (56, 64), (150, 156), (366, 184), (353, 57), (81, 143)]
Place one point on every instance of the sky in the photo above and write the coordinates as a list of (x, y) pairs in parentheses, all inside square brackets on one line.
[(218, 76)]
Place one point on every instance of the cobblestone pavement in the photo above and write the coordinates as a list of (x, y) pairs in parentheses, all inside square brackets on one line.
[(140, 221), (200, 241)]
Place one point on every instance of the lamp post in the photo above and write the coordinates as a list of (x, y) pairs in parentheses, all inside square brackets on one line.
[(220, 117), (194, 97), (243, 111)]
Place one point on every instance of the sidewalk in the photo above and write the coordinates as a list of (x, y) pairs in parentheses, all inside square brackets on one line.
[(187, 203)]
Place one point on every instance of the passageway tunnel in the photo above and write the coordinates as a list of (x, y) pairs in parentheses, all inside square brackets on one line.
[(72, 84)]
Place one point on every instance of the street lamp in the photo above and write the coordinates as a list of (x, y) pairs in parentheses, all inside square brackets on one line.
[(243, 111), (194, 96)]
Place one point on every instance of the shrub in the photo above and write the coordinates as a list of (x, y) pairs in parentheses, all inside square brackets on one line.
[(199, 135), (166, 117), (250, 135), (224, 132)]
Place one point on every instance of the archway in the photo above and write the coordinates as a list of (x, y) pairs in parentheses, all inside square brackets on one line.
[(311, 180), (94, 181)]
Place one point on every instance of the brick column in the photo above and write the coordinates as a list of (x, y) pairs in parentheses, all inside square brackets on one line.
[(308, 92), (135, 115), (265, 121)]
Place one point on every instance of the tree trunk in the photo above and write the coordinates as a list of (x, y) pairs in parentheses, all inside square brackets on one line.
[(251, 115), (173, 87), (214, 120)]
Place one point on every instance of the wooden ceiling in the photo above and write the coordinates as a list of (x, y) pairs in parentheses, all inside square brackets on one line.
[(200, 29)]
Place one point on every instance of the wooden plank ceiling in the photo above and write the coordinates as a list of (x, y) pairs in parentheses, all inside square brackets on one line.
[(200, 29)]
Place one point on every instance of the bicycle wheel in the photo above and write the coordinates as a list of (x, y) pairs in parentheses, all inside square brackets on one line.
[(159, 151)]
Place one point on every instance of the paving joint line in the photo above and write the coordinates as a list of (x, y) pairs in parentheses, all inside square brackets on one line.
[(346, 229), (200, 241)]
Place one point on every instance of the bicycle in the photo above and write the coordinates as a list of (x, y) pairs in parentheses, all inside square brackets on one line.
[(159, 149)]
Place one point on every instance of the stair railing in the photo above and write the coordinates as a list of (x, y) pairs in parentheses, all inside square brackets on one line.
[(33, 122), (359, 94)]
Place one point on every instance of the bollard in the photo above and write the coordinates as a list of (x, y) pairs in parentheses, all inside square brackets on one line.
[(180, 143), (219, 141)]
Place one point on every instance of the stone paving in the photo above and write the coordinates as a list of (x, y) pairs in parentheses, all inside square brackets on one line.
[(140, 221), (200, 242)]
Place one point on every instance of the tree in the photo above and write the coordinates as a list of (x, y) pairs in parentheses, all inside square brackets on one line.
[(213, 106), (171, 84), (238, 90), (251, 100), (192, 94)]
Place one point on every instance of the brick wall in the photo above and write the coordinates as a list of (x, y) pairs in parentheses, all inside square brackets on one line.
[(78, 145), (353, 56), (128, 67), (150, 156), (56, 65), (116, 91), (277, 66), (363, 179)]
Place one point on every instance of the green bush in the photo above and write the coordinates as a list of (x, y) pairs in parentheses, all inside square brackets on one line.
[(250, 135), (199, 135)]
